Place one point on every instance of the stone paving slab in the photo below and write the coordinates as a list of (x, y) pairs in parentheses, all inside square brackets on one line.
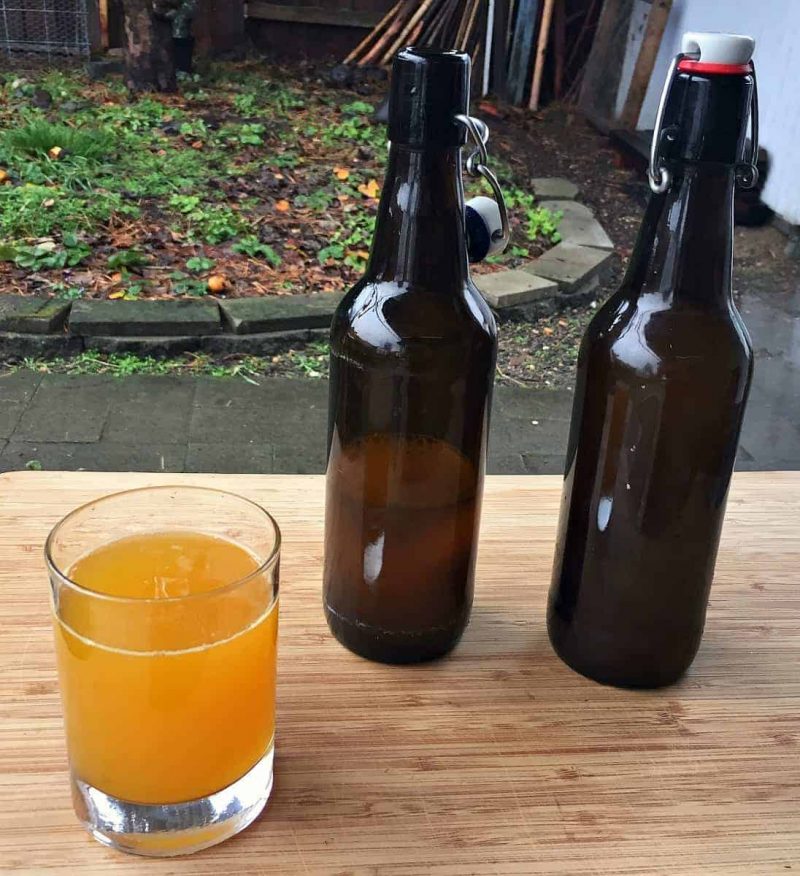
[(18, 345), (102, 456), (154, 423), (32, 315), (229, 458), (277, 416), (578, 225), (16, 391), (246, 316), (144, 318), (159, 348), (504, 289), (572, 267), (66, 409), (528, 434), (263, 343), (158, 406), (519, 402), (554, 188)]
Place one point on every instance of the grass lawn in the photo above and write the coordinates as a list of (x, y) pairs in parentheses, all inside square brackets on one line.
[(254, 180)]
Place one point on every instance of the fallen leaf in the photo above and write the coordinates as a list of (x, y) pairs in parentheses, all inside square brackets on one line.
[(563, 323), (120, 293), (341, 173), (343, 199), (48, 202), (362, 253), (55, 151), (116, 278), (370, 189), (282, 206), (198, 144), (490, 109), (547, 331)]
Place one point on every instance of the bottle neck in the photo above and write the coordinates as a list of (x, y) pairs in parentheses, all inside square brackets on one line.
[(684, 251), (419, 235)]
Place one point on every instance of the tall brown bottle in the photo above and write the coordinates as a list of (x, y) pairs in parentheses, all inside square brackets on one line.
[(663, 375), (413, 349)]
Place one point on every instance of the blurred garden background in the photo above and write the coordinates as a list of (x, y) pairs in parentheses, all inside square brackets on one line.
[(204, 153)]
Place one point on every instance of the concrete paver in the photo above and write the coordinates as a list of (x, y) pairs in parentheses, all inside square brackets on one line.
[(148, 423)]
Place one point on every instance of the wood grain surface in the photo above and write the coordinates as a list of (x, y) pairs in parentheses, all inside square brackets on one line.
[(498, 760)]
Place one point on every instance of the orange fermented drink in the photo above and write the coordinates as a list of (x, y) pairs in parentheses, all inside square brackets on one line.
[(167, 724), (165, 611)]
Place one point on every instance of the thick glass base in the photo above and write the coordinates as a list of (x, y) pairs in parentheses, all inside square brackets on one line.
[(616, 667), (390, 646), (170, 829)]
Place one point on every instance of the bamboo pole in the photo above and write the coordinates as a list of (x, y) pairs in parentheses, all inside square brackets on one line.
[(371, 36), (442, 22), (431, 22), (473, 14), (376, 52), (538, 67), (398, 43), (462, 24)]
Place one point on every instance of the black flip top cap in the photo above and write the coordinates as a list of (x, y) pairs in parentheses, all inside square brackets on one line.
[(706, 117), (429, 89)]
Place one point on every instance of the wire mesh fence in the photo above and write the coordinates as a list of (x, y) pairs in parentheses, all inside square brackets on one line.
[(44, 27)]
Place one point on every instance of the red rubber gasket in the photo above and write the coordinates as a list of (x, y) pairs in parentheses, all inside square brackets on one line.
[(689, 66)]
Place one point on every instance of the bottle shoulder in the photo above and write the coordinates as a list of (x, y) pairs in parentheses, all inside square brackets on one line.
[(389, 316), (650, 337)]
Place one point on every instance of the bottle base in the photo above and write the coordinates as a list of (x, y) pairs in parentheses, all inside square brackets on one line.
[(170, 829), (393, 647), (615, 673), (610, 678)]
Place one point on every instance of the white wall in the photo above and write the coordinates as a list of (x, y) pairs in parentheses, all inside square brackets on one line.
[(775, 24)]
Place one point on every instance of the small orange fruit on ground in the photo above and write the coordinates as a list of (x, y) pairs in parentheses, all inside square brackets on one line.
[(217, 283)]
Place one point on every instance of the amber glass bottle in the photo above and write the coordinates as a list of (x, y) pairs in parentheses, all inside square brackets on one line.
[(663, 375), (413, 349)]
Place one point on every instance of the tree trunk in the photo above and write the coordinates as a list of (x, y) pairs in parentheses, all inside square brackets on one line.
[(149, 60)]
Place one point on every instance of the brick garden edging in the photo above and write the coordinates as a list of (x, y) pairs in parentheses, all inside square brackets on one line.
[(564, 275)]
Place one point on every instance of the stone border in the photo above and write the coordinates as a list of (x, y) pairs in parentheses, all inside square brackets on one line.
[(562, 276), (566, 274), (258, 326)]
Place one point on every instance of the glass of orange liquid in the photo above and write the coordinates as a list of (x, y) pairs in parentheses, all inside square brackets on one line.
[(165, 608)]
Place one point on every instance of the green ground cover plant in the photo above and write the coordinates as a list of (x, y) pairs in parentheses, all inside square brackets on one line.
[(266, 176)]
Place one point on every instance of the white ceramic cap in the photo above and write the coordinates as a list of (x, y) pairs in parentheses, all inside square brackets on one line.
[(719, 48), (489, 212)]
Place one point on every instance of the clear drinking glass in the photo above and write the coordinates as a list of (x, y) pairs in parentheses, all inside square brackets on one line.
[(165, 608)]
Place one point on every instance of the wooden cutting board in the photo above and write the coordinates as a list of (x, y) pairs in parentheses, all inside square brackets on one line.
[(499, 760)]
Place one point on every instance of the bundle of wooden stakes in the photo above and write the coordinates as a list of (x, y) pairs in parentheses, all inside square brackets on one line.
[(446, 24), (507, 40)]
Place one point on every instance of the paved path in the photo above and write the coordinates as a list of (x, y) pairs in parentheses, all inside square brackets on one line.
[(104, 423), (216, 424), (226, 425)]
